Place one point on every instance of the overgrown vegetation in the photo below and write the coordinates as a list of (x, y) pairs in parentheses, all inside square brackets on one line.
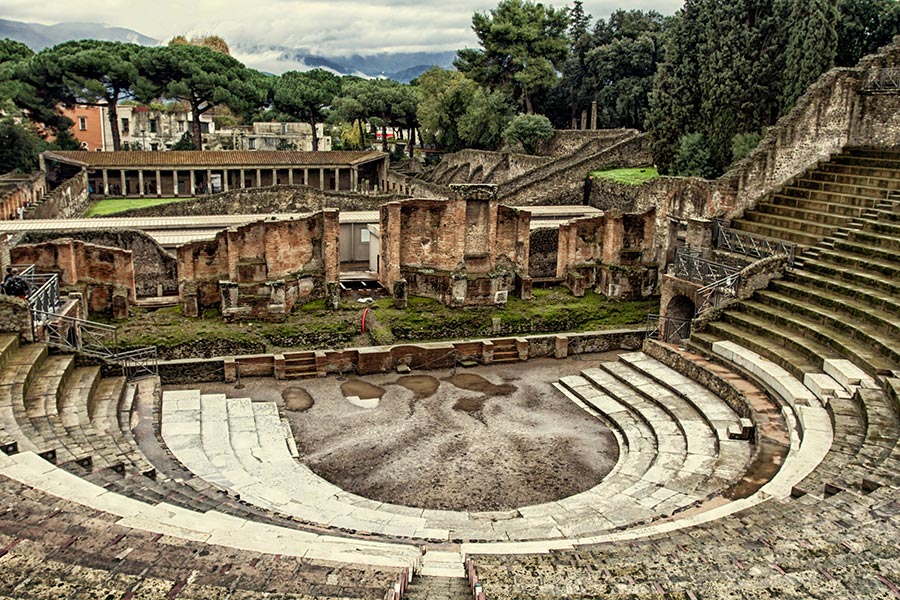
[(635, 176), (313, 326), (116, 205)]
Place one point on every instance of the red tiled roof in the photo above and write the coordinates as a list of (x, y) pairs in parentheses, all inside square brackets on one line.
[(209, 158)]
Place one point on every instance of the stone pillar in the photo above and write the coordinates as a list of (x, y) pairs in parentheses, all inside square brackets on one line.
[(274, 176), (337, 179), (561, 346), (584, 119), (124, 190), (243, 183), (158, 183), (354, 179), (613, 238), (141, 183), (291, 176), (305, 176), (391, 229), (400, 294), (331, 244), (594, 114), (322, 179), (574, 122), (259, 178), (225, 174), (209, 181), (193, 183), (487, 352), (175, 182), (105, 182)]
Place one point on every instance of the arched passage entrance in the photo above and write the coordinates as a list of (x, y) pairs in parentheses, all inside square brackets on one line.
[(677, 325)]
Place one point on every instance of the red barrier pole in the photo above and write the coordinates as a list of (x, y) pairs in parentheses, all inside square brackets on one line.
[(363, 325)]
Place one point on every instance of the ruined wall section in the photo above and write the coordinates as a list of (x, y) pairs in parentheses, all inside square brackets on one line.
[(460, 252), (155, 269), (570, 141), (66, 201), (562, 181), (104, 275), (261, 270)]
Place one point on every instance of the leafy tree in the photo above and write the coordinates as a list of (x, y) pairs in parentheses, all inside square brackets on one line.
[(486, 118), (743, 144), (863, 27), (523, 47), (811, 48), (203, 78), (185, 143), (18, 147), (574, 69), (619, 70), (693, 158), (306, 96), (349, 109), (674, 102), (12, 55), (445, 99), (99, 73), (529, 131), (213, 42)]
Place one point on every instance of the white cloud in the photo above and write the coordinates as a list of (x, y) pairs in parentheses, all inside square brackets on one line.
[(334, 27)]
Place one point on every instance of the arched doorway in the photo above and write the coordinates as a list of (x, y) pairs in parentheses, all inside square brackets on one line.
[(677, 324)]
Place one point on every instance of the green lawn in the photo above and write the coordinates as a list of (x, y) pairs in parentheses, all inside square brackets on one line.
[(628, 176), (117, 205)]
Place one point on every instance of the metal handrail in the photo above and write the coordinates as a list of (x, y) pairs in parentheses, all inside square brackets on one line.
[(751, 244), (716, 293), (671, 330), (691, 266), (884, 80)]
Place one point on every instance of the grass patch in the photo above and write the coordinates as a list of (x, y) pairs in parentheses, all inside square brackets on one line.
[(312, 326), (116, 205), (628, 176)]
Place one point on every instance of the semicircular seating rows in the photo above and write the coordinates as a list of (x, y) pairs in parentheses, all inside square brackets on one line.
[(93, 502), (833, 323)]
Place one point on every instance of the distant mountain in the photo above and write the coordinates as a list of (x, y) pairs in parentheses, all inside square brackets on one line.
[(37, 36), (400, 66)]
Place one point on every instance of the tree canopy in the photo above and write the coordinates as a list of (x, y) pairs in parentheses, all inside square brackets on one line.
[(306, 96)]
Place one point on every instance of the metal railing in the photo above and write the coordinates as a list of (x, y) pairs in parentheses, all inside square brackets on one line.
[(139, 363), (716, 293), (750, 244), (670, 330), (885, 80), (692, 267)]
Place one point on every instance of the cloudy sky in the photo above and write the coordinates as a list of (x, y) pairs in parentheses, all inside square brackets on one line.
[(332, 27)]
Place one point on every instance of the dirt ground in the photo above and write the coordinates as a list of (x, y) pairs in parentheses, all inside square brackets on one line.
[(478, 439)]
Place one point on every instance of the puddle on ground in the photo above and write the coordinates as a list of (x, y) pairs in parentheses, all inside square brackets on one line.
[(423, 386), (361, 389), (297, 399), (477, 383), (470, 404)]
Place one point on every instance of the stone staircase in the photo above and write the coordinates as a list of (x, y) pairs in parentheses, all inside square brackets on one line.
[(842, 298), (299, 365), (442, 577)]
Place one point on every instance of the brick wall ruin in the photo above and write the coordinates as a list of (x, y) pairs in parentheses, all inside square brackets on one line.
[(612, 253), (155, 270), (104, 275), (461, 252), (261, 270), (65, 201), (20, 191)]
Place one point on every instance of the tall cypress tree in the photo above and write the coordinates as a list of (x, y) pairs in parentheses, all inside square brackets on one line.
[(811, 49), (675, 99)]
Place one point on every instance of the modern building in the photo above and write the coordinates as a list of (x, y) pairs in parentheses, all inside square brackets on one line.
[(269, 136), (140, 127)]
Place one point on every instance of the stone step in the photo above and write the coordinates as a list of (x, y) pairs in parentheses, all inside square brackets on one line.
[(443, 564), (848, 274), (888, 163), (424, 587), (824, 206), (104, 402), (860, 262), (874, 239), (816, 340), (851, 245), (854, 196), (838, 176), (859, 304), (853, 192), (798, 363), (862, 171), (9, 344), (805, 214), (820, 323), (872, 152), (880, 227), (75, 399), (779, 233), (804, 226)]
